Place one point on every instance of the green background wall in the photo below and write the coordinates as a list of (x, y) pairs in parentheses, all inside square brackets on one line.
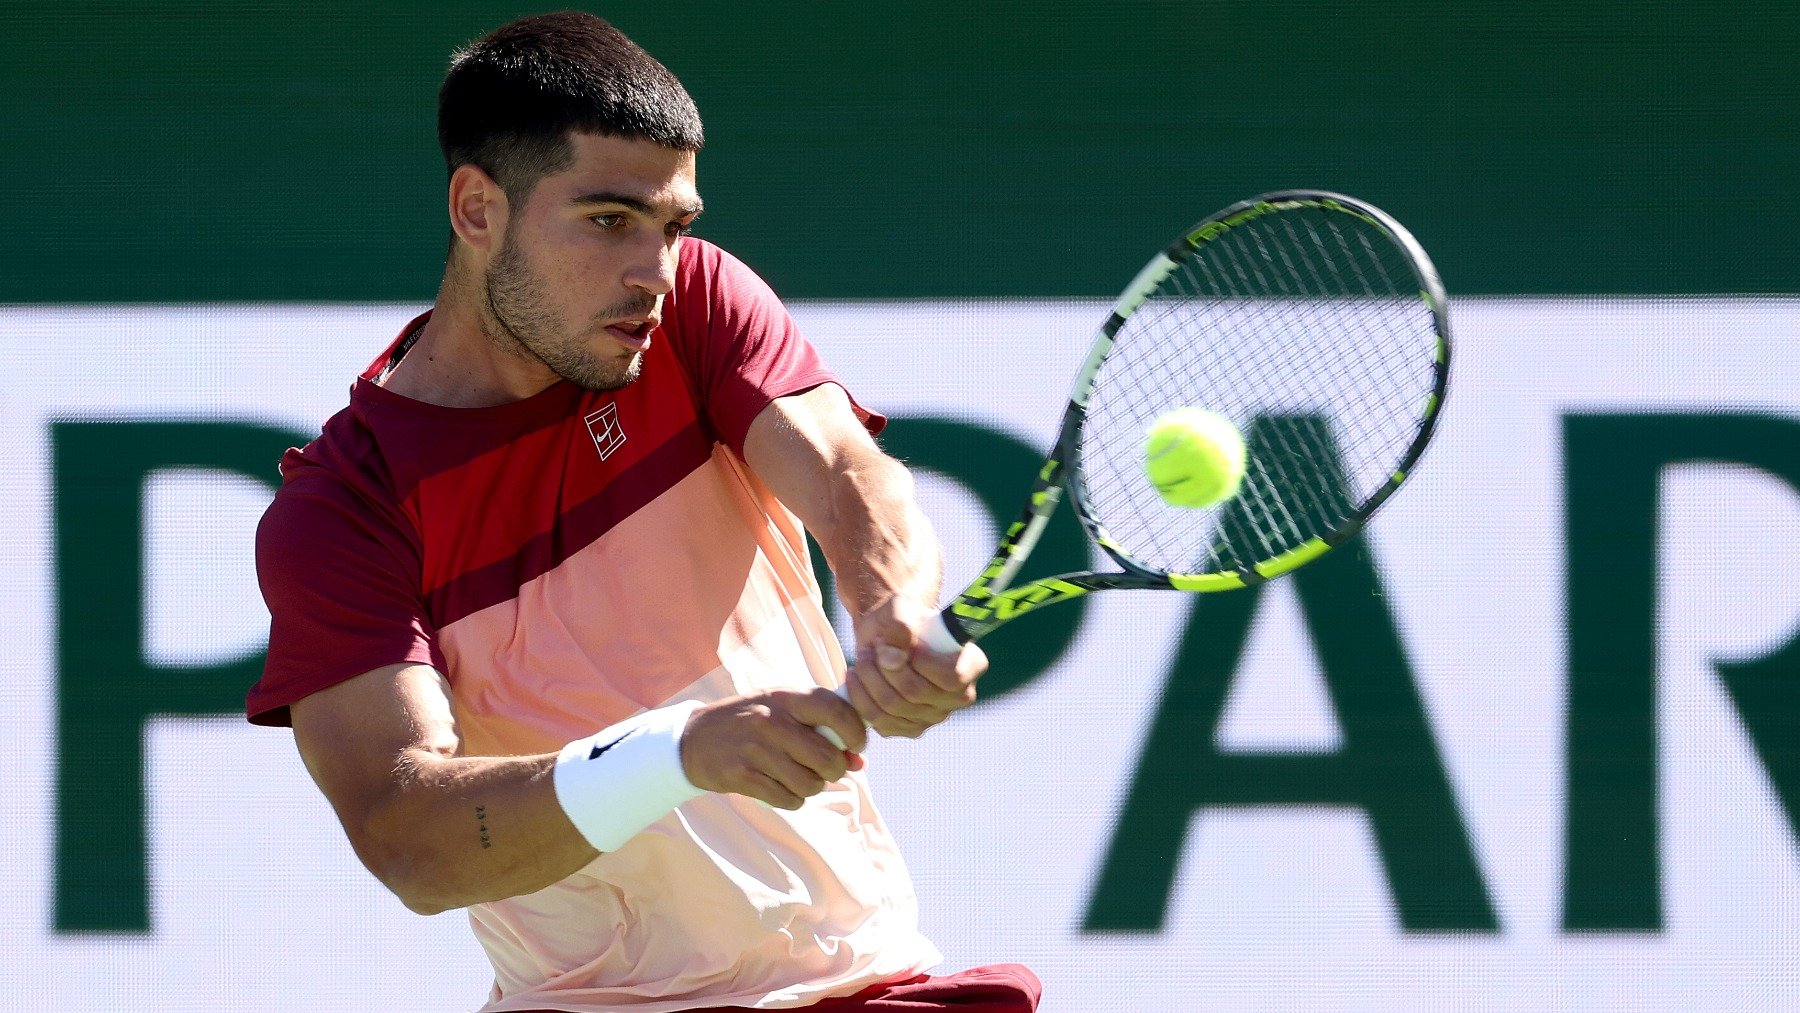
[(169, 152)]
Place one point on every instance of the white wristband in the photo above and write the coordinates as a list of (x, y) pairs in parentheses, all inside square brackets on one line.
[(625, 777)]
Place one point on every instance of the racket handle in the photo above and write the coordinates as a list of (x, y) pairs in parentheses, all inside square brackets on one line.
[(936, 636), (939, 637), (825, 730)]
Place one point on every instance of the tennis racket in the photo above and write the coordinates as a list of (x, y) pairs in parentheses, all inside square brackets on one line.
[(1313, 321), (1316, 323)]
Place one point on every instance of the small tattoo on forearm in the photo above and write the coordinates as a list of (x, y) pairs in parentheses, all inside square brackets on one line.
[(481, 821)]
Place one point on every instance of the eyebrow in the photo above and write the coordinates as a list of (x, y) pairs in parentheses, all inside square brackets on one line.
[(641, 207)]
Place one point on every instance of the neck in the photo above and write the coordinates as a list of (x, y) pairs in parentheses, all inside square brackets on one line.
[(454, 363)]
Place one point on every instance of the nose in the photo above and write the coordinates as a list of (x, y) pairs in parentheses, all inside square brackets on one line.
[(652, 269)]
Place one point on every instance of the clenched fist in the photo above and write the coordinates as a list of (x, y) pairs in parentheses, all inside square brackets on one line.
[(768, 745)]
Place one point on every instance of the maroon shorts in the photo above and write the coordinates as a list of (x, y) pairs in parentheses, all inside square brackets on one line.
[(996, 988)]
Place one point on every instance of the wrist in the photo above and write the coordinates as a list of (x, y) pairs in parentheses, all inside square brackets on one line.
[(619, 780), (899, 603)]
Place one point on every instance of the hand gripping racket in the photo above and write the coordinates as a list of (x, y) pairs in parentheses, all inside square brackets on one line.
[(1315, 323)]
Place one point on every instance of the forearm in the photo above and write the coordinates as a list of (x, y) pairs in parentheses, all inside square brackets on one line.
[(815, 455), (890, 573), (445, 831), (878, 542), (455, 831)]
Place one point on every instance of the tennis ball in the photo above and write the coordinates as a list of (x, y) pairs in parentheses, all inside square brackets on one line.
[(1194, 458)]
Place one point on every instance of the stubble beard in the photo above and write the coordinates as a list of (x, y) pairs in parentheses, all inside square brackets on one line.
[(519, 319)]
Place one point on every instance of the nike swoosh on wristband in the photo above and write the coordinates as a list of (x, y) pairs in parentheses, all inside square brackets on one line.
[(595, 755)]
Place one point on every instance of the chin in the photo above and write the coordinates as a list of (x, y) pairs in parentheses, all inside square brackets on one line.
[(598, 376)]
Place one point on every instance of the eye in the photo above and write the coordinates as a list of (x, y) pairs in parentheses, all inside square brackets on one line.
[(609, 221), (678, 229)]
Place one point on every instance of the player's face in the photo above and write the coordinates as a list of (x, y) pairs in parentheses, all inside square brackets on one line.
[(579, 279)]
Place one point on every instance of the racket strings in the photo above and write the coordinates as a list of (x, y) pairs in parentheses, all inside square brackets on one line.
[(1305, 327)]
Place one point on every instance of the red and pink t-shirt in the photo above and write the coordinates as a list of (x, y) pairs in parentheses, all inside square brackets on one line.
[(571, 559)]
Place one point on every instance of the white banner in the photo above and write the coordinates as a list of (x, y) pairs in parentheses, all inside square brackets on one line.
[(1507, 895)]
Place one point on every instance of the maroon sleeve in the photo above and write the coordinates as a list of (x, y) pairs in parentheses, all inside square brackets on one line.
[(342, 585), (739, 344)]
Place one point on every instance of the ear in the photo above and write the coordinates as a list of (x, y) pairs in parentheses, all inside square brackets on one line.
[(478, 209)]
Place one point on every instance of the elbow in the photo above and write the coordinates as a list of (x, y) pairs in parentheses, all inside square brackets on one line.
[(421, 905), (872, 486), (417, 884), (406, 866)]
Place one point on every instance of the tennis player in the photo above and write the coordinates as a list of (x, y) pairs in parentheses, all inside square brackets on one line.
[(543, 620)]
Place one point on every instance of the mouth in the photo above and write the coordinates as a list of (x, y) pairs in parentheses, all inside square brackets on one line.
[(633, 332)]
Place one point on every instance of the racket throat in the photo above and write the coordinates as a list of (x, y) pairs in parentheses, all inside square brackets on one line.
[(1043, 505), (973, 614)]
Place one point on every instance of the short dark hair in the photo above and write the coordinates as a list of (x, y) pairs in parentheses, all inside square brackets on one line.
[(513, 96)]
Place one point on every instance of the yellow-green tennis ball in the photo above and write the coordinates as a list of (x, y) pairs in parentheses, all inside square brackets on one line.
[(1194, 458)]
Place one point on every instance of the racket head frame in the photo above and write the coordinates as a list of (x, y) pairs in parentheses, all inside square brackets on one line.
[(990, 600)]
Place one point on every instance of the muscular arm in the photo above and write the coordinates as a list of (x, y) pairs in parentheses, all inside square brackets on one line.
[(858, 503), (856, 500), (443, 830), (439, 829)]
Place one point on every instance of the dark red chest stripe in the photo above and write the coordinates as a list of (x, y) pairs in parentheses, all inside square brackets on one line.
[(483, 510), (629, 490)]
